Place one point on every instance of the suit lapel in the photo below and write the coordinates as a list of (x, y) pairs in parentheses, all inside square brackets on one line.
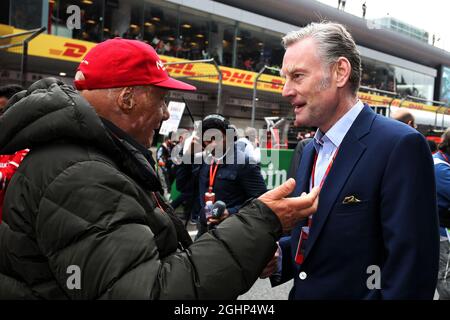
[(350, 151), (303, 173)]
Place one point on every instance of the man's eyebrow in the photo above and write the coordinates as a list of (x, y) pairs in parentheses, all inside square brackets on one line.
[(290, 70)]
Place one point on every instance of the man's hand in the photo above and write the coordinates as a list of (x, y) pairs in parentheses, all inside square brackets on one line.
[(290, 210)]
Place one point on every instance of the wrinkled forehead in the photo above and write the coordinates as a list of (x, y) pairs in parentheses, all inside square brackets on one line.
[(302, 55)]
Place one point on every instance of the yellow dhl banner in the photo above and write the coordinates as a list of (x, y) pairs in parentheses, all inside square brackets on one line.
[(55, 47), (49, 46), (206, 72), (376, 100)]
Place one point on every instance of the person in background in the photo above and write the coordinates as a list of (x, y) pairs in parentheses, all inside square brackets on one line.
[(223, 170), (6, 92), (298, 151), (249, 145), (442, 172), (248, 64), (405, 116), (187, 187), (9, 162), (164, 160)]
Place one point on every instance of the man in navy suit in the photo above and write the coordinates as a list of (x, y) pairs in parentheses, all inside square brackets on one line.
[(375, 233)]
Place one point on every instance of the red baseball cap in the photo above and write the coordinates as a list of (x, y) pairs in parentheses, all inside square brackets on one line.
[(121, 62)]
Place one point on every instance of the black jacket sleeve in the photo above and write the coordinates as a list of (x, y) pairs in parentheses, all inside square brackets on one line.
[(94, 217)]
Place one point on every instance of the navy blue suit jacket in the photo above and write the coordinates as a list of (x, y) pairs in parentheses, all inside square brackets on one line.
[(388, 166)]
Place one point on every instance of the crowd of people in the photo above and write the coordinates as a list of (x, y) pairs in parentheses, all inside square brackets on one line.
[(89, 193)]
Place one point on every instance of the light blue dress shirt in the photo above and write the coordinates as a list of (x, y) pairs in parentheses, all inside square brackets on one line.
[(326, 144)]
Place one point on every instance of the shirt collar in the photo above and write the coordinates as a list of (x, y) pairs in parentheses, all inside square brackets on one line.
[(338, 131)]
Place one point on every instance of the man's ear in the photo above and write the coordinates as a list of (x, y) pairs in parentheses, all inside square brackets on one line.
[(125, 100), (343, 70)]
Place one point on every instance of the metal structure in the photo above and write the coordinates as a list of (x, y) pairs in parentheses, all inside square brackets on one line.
[(24, 44), (440, 105), (277, 123), (217, 74), (390, 94), (419, 114), (255, 88)]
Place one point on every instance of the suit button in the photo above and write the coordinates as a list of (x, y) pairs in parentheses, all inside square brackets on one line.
[(302, 275)]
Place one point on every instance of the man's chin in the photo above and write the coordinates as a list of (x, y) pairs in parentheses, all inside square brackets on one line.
[(305, 120), (299, 122)]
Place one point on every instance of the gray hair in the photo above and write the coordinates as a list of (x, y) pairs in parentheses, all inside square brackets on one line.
[(251, 133), (333, 41)]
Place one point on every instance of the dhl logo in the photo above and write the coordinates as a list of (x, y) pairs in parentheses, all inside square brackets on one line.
[(372, 98), (72, 50), (181, 69), (413, 106), (228, 76), (384, 101)]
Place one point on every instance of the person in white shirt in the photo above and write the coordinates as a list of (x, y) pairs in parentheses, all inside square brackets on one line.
[(249, 145)]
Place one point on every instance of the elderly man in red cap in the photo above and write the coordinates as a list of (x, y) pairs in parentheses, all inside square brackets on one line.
[(83, 215)]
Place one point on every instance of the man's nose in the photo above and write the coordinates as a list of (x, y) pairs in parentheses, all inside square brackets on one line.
[(288, 90)]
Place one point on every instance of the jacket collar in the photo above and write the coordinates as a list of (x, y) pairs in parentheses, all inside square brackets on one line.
[(338, 131), (134, 158)]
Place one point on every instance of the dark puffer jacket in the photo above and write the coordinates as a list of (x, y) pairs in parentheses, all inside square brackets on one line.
[(85, 197)]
